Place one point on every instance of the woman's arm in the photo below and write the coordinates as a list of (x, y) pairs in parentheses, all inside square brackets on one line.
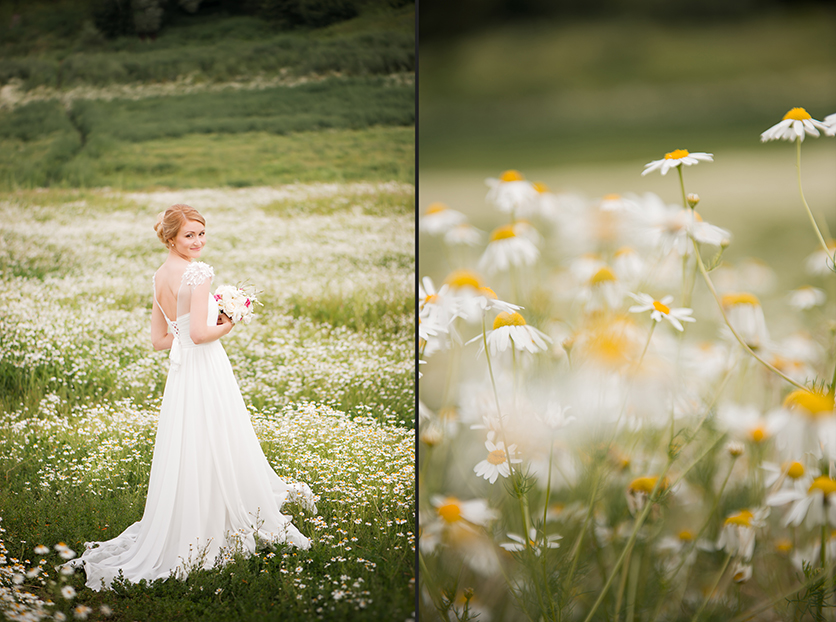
[(199, 309), (160, 337)]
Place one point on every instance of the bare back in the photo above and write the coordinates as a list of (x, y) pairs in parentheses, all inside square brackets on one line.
[(167, 282)]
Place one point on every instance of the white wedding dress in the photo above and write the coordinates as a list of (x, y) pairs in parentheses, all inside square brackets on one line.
[(211, 485)]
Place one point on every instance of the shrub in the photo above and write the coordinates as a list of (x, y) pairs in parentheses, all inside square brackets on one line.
[(114, 18)]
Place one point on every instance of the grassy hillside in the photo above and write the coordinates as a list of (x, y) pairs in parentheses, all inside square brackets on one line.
[(215, 98)]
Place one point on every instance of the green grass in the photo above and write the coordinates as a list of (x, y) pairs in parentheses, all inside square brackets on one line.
[(607, 91), (237, 138)]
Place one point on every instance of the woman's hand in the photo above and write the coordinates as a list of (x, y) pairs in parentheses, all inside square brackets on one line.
[(224, 320)]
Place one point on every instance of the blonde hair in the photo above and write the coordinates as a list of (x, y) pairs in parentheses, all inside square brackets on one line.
[(169, 222)]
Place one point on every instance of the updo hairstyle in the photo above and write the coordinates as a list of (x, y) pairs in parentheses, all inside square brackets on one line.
[(169, 222)]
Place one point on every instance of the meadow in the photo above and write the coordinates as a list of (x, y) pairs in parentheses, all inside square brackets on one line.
[(326, 370), (627, 395)]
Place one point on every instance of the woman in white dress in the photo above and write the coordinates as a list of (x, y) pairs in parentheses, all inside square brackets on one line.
[(211, 485)]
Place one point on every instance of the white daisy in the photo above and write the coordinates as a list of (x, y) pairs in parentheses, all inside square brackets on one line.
[(512, 193), (806, 297), (453, 510), (820, 262), (439, 219), (463, 234), (617, 203), (746, 316), (510, 328), (676, 158), (659, 309), (518, 543), (41, 550), (816, 505), (506, 248), (68, 592), (737, 536), (639, 491), (795, 125), (496, 463)]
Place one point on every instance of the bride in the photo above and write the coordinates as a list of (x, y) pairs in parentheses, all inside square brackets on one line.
[(211, 485)]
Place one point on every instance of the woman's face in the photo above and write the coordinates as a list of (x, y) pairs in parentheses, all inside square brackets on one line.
[(190, 240)]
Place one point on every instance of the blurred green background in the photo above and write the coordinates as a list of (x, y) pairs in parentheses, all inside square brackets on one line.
[(581, 95), (183, 93)]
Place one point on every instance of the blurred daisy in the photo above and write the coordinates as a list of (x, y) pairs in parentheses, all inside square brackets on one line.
[(507, 249), (41, 550), (810, 424), (496, 463), (676, 158), (511, 193), (463, 234), (737, 536), (795, 125), (659, 309), (639, 491), (616, 203), (806, 297), (628, 264), (747, 422), (602, 290), (816, 505), (453, 510), (439, 219), (518, 543), (741, 572), (68, 592), (510, 328), (782, 474), (821, 263), (830, 121), (746, 316)]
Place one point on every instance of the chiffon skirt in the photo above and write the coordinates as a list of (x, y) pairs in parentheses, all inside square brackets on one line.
[(210, 486)]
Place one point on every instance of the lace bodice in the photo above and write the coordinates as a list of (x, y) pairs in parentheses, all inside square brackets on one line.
[(196, 275)]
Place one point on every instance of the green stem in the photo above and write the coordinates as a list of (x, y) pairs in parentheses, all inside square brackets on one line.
[(431, 587), (577, 548), (682, 186), (737, 336), (804, 201), (635, 567), (622, 584), (713, 588), (638, 524), (707, 520)]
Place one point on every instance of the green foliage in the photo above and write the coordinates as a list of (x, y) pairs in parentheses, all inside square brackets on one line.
[(113, 18)]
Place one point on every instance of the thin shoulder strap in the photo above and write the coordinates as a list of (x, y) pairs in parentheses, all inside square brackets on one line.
[(154, 287)]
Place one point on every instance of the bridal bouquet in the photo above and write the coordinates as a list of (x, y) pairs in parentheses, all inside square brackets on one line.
[(236, 303)]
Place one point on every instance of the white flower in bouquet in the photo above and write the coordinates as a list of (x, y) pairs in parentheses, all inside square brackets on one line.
[(236, 303)]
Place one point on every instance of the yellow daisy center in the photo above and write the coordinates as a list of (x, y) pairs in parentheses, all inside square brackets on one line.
[(611, 197), (508, 319), (814, 403), (503, 233), (676, 154), (603, 275), (783, 546), (463, 278), (450, 511), (743, 298), (511, 175), (487, 292), (623, 251), (448, 413), (758, 434), (540, 187), (743, 518), (797, 114), (826, 485), (660, 307), (431, 299), (646, 484), (497, 456), (435, 208), (685, 535), (795, 470)]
